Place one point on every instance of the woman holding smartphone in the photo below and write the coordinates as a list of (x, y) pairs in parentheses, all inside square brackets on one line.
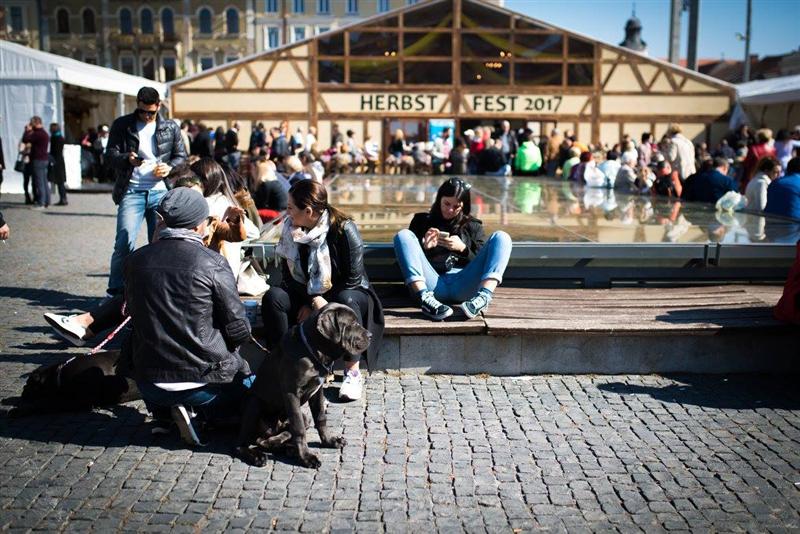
[(444, 255)]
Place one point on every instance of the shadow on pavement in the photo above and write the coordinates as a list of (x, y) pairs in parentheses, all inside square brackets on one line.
[(746, 391), (74, 214), (54, 300), (115, 426)]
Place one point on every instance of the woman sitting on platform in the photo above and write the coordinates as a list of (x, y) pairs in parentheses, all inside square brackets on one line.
[(322, 259), (444, 256)]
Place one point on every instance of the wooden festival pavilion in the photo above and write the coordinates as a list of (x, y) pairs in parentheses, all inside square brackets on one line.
[(461, 62)]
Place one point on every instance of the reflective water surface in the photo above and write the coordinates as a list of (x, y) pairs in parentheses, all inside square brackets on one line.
[(546, 210)]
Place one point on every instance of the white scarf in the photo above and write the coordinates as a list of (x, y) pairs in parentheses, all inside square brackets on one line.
[(318, 278)]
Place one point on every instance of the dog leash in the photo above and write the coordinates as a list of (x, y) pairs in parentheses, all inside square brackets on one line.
[(110, 336), (259, 345)]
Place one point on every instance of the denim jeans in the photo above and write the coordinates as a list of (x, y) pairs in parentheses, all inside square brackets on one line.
[(42, 185), (234, 158), (134, 207), (213, 401), (456, 285)]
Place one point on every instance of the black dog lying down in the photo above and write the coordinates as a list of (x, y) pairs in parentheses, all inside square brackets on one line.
[(293, 375), (78, 384)]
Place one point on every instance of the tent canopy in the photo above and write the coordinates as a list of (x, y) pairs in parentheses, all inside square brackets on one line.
[(19, 62), (783, 90), (32, 83)]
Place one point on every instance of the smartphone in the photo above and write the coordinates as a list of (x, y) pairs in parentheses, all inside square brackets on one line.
[(443, 235)]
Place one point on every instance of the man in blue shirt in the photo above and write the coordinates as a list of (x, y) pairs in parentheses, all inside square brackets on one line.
[(711, 184), (783, 195)]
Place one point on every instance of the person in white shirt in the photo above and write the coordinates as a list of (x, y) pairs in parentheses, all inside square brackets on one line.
[(768, 170)]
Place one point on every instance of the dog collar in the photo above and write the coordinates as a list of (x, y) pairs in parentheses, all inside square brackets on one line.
[(322, 368)]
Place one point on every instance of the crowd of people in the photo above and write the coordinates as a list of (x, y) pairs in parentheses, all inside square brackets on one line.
[(180, 292), (675, 167)]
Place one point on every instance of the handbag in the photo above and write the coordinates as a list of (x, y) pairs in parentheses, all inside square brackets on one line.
[(250, 281), (19, 165)]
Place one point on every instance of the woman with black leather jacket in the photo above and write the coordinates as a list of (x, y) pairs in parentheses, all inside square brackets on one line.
[(322, 259), (444, 255)]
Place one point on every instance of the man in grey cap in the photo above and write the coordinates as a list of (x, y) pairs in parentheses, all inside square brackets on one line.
[(188, 321)]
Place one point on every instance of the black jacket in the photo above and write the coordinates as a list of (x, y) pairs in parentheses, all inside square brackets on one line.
[(271, 195), (347, 272), (57, 172), (471, 233), (231, 141), (124, 139), (347, 264), (490, 160), (187, 318), (203, 146)]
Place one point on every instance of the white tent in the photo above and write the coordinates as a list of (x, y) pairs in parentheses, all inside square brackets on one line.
[(32, 83), (774, 102)]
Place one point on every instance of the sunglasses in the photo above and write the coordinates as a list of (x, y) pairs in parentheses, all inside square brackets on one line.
[(146, 112), (459, 183)]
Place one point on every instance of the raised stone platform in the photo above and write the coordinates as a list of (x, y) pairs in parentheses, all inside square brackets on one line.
[(715, 329)]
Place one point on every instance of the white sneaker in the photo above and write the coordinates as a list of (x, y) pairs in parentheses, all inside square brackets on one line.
[(351, 386), (183, 419), (67, 327)]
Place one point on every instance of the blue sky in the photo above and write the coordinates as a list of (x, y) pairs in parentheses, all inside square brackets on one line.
[(774, 23)]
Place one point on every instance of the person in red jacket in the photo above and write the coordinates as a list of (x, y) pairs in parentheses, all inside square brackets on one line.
[(761, 148)]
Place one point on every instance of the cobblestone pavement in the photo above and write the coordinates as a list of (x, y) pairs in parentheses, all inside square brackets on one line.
[(424, 453)]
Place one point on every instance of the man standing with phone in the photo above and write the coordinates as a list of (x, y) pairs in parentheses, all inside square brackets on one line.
[(142, 150)]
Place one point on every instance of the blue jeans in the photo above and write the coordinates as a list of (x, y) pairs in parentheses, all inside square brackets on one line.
[(456, 285), (212, 401), (234, 158), (42, 185), (134, 207)]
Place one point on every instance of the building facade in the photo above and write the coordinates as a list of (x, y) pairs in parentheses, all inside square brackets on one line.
[(463, 62), (166, 40)]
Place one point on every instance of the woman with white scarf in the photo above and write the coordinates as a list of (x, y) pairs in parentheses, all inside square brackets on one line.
[(322, 255)]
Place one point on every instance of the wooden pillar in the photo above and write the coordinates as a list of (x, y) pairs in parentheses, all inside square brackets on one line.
[(597, 88), (455, 95)]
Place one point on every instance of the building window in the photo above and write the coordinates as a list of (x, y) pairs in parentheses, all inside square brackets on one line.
[(206, 62), (323, 29), (89, 26), (167, 22), (352, 7), (411, 2), (383, 6), (205, 20), (146, 21), (273, 37), (62, 21), (229, 59), (149, 68), (17, 25), (323, 7), (271, 6), (126, 64), (169, 68), (125, 21), (232, 21), (299, 6), (298, 33)]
